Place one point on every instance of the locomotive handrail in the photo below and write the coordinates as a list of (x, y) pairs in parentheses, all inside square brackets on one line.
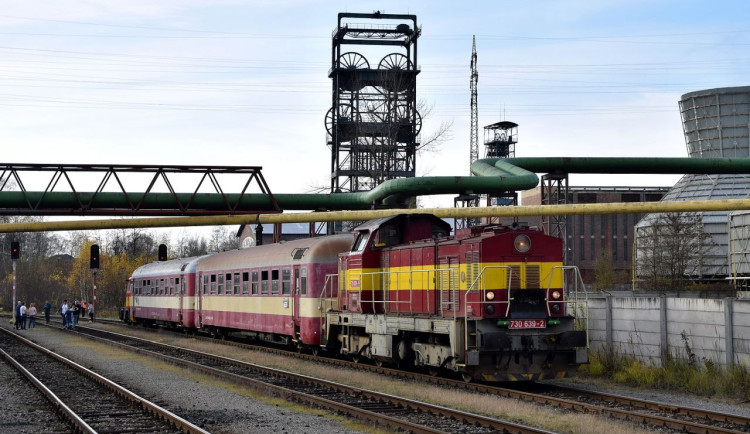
[(577, 279), (483, 300)]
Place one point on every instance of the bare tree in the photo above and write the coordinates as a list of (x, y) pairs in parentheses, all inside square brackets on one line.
[(670, 250)]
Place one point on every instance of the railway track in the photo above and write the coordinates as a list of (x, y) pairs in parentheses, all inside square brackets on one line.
[(655, 414), (383, 410), (100, 406)]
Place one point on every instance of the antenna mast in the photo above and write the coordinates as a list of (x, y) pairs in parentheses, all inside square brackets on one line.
[(474, 142)]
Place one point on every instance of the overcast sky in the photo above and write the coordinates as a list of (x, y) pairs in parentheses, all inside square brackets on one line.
[(216, 82)]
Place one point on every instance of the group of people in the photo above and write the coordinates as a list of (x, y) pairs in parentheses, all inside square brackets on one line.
[(24, 314), (71, 313)]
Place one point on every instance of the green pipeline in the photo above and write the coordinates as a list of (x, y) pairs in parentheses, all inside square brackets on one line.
[(491, 176)]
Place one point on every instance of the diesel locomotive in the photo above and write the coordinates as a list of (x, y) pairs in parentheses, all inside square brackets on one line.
[(492, 302)]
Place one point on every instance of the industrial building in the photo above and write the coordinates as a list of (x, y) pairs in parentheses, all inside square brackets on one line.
[(590, 236), (715, 123)]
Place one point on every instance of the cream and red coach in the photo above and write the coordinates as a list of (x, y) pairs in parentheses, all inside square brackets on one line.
[(274, 292), (162, 293)]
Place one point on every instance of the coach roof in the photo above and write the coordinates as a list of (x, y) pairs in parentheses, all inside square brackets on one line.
[(305, 250)]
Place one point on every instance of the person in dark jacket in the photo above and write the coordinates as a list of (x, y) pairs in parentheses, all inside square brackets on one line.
[(18, 315), (47, 309)]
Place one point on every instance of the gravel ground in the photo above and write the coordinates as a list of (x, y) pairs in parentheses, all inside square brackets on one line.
[(674, 398), (214, 405)]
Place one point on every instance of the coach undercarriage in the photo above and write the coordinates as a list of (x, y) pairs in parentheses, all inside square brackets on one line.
[(478, 349)]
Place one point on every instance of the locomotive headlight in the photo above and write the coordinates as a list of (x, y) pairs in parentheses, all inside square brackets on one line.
[(522, 243), (556, 295), (490, 295)]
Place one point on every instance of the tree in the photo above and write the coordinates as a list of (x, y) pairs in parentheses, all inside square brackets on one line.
[(670, 250), (605, 276)]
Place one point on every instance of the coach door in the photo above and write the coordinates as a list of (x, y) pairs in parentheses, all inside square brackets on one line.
[(296, 294)]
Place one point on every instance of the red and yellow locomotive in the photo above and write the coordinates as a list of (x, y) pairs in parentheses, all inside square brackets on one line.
[(489, 303)]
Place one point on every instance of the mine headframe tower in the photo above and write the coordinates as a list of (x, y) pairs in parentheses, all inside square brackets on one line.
[(373, 125)]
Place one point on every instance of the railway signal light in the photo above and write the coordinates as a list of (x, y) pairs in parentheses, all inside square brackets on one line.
[(15, 249), (94, 257), (162, 252)]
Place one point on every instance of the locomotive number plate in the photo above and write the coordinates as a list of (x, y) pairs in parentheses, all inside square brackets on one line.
[(527, 324)]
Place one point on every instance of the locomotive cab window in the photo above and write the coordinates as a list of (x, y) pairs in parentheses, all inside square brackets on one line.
[(387, 236), (361, 242)]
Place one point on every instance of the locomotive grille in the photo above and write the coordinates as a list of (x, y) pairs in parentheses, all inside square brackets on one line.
[(532, 277), (472, 268), (515, 277)]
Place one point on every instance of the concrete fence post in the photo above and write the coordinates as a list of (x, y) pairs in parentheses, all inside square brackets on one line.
[(729, 330), (608, 321), (664, 331)]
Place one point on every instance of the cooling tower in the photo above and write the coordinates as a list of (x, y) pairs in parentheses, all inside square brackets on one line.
[(716, 123)]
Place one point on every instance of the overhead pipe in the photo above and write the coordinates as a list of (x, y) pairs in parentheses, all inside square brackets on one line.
[(492, 175), (331, 216)]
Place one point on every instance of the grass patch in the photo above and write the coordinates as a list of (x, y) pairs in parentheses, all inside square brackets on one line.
[(699, 377)]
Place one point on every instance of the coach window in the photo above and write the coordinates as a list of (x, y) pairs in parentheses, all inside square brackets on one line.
[(236, 282), (286, 281), (205, 284), (221, 284), (213, 284), (147, 291), (178, 288), (274, 282), (255, 283), (303, 281), (264, 282), (245, 283), (171, 286)]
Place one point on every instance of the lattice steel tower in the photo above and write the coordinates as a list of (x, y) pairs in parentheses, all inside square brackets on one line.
[(471, 200), (373, 125)]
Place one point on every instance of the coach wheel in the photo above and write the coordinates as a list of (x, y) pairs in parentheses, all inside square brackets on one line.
[(315, 350), (356, 358), (434, 371), (378, 363), (466, 377)]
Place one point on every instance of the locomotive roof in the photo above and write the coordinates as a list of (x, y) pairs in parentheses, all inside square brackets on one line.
[(173, 266), (372, 225), (302, 251)]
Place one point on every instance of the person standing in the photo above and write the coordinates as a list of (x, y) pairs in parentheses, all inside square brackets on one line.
[(47, 309), (64, 312), (76, 312), (32, 316), (91, 312), (23, 315), (18, 315), (69, 316)]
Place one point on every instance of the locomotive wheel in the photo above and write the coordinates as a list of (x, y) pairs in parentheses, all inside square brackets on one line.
[(434, 371), (355, 358)]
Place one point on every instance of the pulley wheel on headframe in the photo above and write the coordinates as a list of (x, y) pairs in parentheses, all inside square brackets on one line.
[(402, 118), (395, 61), (346, 122), (353, 60)]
